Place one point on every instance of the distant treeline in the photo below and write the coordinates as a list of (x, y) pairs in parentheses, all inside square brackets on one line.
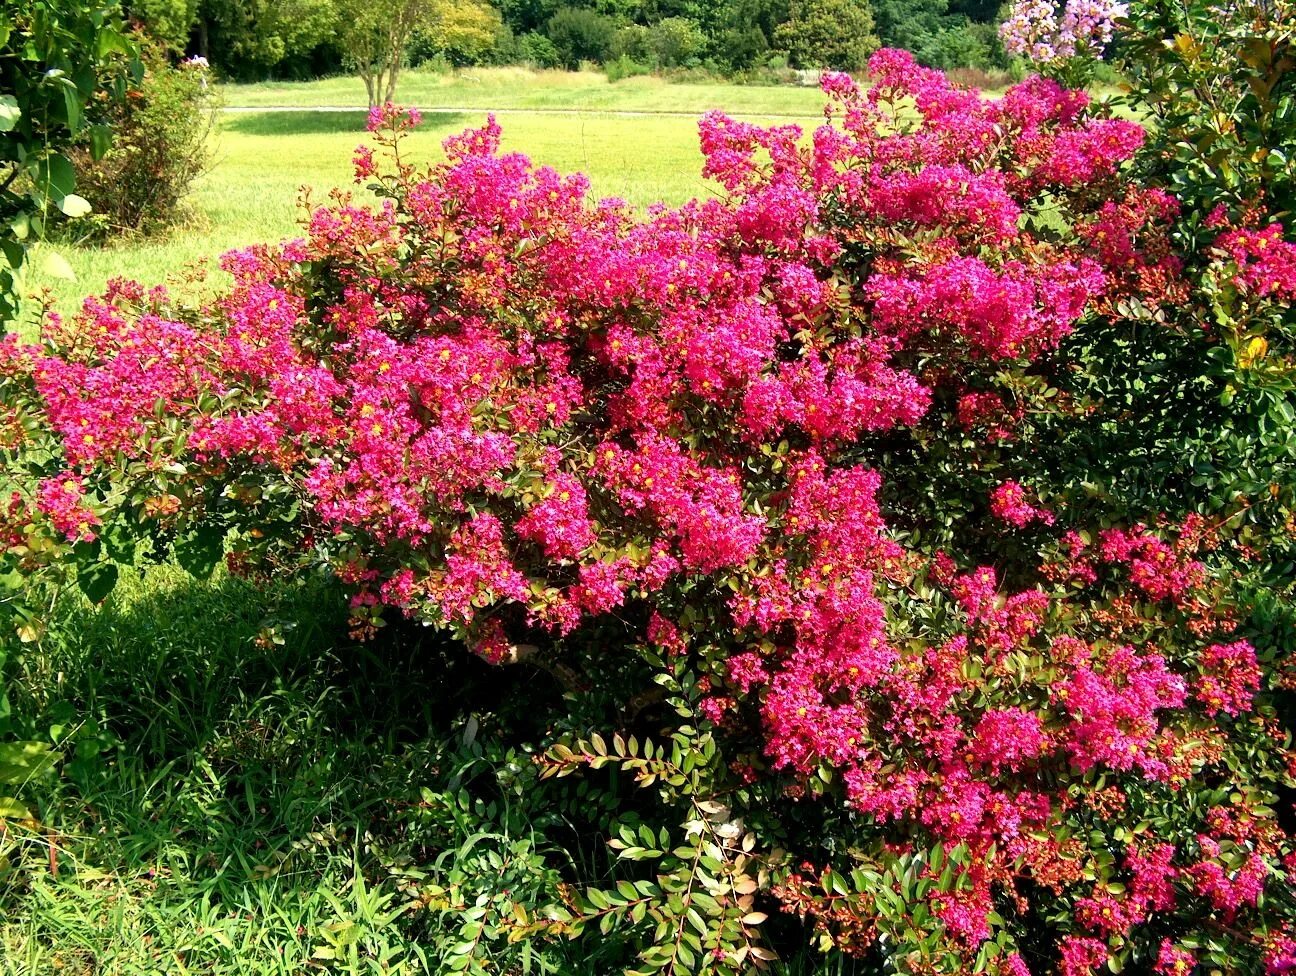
[(260, 39)]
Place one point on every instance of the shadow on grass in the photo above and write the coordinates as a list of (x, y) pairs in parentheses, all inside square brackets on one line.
[(266, 783), (257, 770), (307, 122)]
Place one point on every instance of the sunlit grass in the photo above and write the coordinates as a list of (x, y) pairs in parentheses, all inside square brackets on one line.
[(522, 88)]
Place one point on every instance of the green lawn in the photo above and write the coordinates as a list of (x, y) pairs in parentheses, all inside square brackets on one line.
[(520, 88)]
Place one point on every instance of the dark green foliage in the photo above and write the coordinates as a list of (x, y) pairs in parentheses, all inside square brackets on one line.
[(536, 49), (937, 35), (1224, 127), (828, 34), (1212, 393), (741, 47), (170, 22), (254, 39), (524, 16), (675, 41), (910, 24), (581, 35)]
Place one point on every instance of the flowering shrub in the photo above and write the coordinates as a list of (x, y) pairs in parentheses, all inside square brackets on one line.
[(1001, 741), (1184, 391), (1038, 31)]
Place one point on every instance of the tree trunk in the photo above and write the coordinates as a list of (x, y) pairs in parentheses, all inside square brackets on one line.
[(366, 74), (395, 51), (391, 82)]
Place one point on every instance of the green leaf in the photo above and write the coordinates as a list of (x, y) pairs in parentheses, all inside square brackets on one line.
[(56, 266), (21, 762), (13, 252), (72, 107), (110, 41), (100, 140), (200, 549), (75, 206), (98, 580), (11, 809), (56, 177), (10, 113)]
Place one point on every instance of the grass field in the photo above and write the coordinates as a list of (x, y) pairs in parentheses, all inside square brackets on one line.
[(262, 159), (520, 88)]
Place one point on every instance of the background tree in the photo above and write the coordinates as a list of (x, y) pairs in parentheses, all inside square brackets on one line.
[(462, 31), (742, 30), (674, 41), (910, 24), (376, 35), (61, 62), (828, 34), (252, 39), (527, 16), (169, 22), (581, 35)]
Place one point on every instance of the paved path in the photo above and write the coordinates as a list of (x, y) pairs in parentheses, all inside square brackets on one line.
[(459, 110)]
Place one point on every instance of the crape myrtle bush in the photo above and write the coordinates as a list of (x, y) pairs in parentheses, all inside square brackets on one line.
[(990, 740)]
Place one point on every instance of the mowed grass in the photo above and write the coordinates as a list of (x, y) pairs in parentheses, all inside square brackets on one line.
[(263, 160), (522, 88)]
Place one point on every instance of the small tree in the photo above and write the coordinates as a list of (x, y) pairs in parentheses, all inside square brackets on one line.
[(376, 35), (169, 22), (581, 35), (828, 34), (675, 40)]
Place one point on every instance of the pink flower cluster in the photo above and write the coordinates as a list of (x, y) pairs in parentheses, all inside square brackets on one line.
[(1265, 261), (1034, 29), (1009, 503), (1230, 677), (1155, 566), (62, 500)]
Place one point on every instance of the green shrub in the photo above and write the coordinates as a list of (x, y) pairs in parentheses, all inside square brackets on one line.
[(1203, 381), (537, 50), (163, 130), (741, 47), (828, 34), (1223, 127), (581, 35), (623, 67), (675, 41), (632, 41)]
